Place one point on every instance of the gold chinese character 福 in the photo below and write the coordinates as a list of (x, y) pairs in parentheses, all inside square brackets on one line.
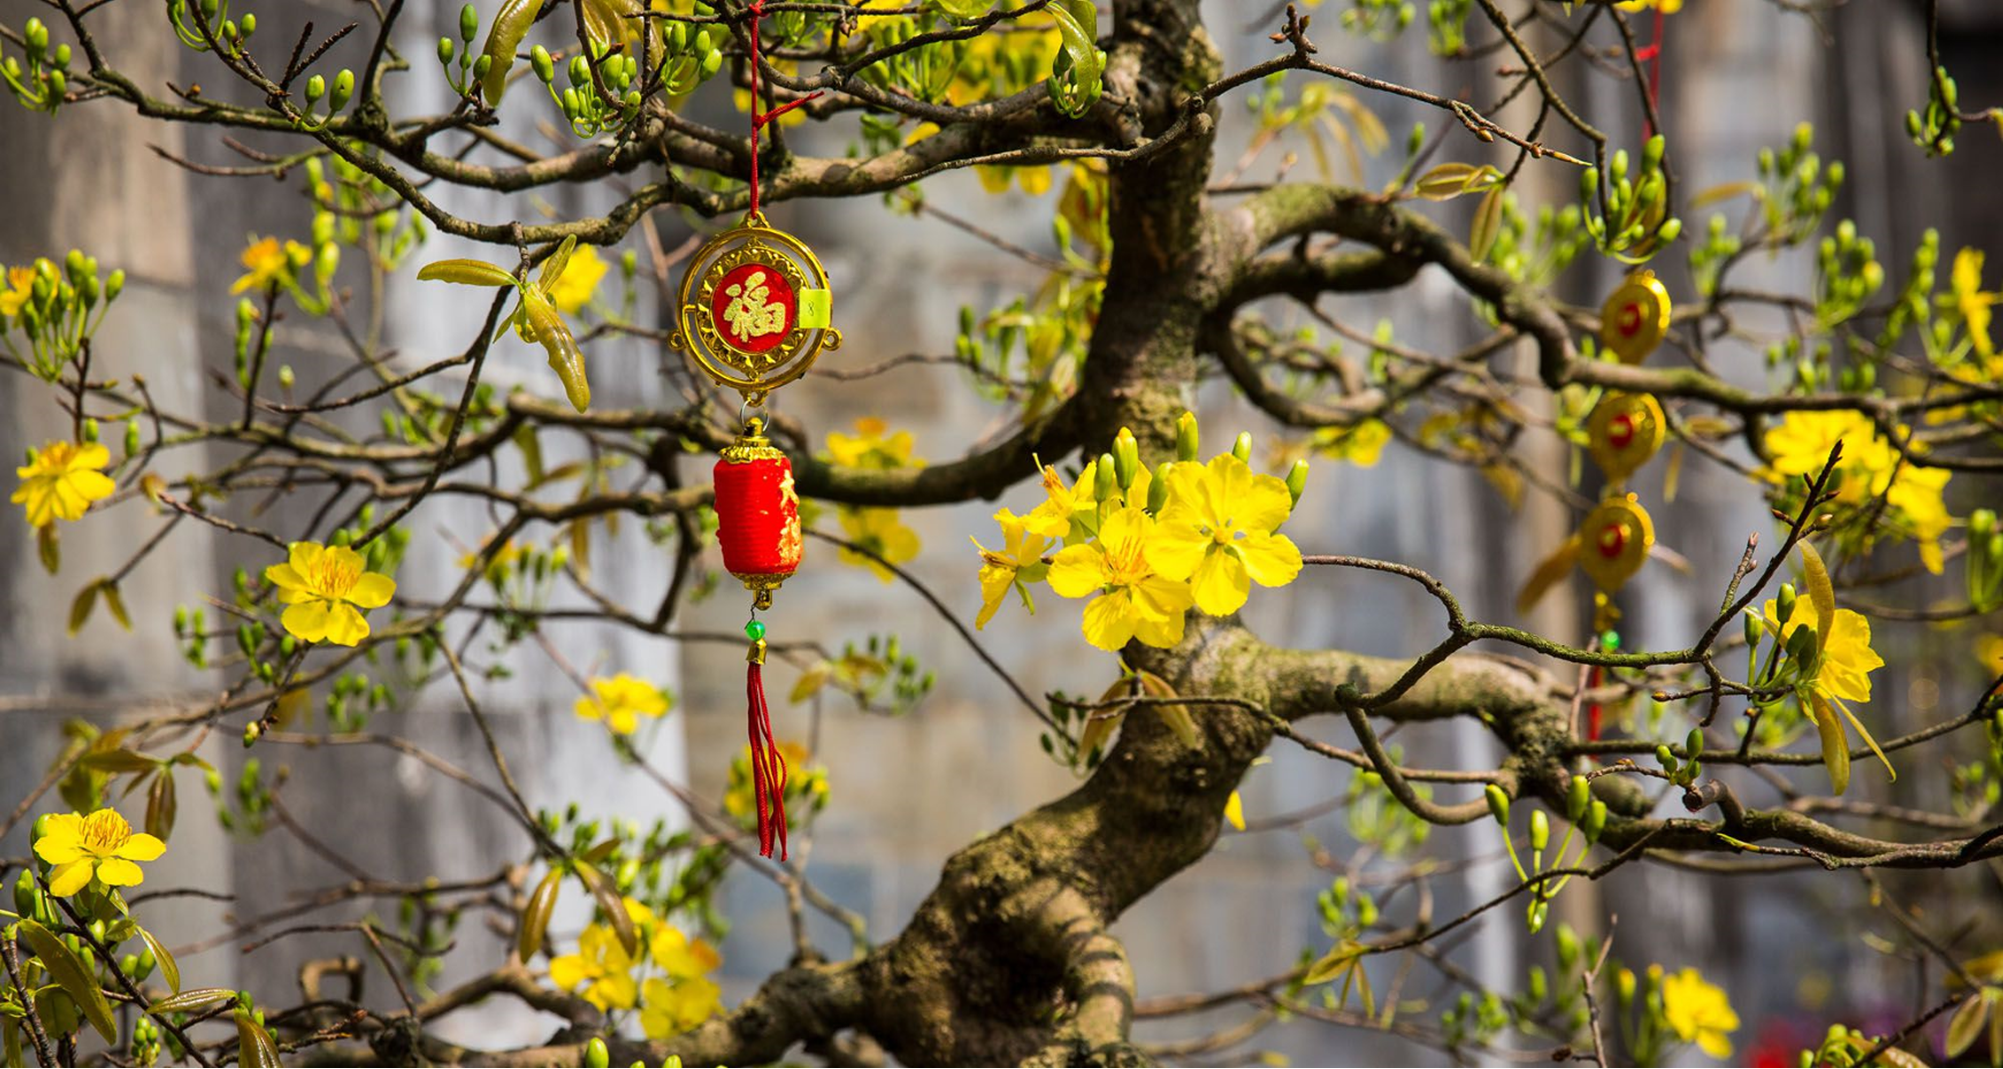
[(751, 313)]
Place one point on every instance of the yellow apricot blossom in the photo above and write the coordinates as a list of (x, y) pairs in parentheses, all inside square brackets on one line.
[(102, 844), (601, 967), (1800, 445), (270, 264), (871, 449), (60, 481), (621, 701), (1973, 304), (1133, 601), (1019, 561), (572, 290), (1217, 531), (671, 1008), (1361, 445), (324, 588), (1699, 1012), (880, 532), (20, 287), (1840, 674)]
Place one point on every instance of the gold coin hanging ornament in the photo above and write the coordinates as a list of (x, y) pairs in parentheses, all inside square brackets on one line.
[(1614, 541), (1634, 319), (755, 309), (1624, 430)]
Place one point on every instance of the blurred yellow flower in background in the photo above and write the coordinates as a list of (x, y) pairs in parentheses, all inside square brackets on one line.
[(601, 967), (621, 701), (573, 289), (270, 264), (880, 532), (1699, 1012), (60, 481)]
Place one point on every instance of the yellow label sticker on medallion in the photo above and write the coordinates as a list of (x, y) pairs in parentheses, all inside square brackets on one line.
[(816, 308)]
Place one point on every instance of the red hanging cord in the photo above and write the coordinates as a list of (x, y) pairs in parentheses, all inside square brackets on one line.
[(760, 118), (768, 765), (1653, 55)]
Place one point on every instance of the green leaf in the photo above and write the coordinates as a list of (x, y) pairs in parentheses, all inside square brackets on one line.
[(69, 971), (1449, 180), (552, 268), (611, 905), (605, 21), (1835, 745), (565, 358), (195, 1000), (1966, 1024), (1487, 224), (119, 761), (162, 806), (962, 9), (1079, 62), (169, 968), (510, 26), (80, 607), (1340, 959), (254, 1046), (465, 273), (114, 603), (535, 918)]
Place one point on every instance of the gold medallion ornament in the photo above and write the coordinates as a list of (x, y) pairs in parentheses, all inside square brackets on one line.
[(1614, 541), (1624, 430), (755, 309), (1634, 319)]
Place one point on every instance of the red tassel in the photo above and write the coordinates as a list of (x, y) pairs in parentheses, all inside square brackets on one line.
[(768, 766)]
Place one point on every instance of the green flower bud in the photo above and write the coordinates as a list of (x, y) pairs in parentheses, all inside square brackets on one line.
[(1416, 140), (1568, 947), (249, 24), (1540, 830), (316, 87), (1785, 603), (1651, 153), (131, 437), (1498, 803), (26, 895), (1589, 183), (1596, 821), (344, 90), (544, 66), (1756, 629), (1624, 987), (37, 36), (114, 284), (285, 376), (1126, 458), (711, 63), (445, 50), (1694, 744), (1669, 231), (469, 23), (1242, 448), (1666, 756), (1186, 437), (1105, 478), (481, 66), (1297, 480), (1577, 796), (89, 430), (39, 828), (1803, 647), (1158, 487)]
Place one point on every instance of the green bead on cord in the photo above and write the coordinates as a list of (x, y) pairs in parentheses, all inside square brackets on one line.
[(1610, 641), (755, 630)]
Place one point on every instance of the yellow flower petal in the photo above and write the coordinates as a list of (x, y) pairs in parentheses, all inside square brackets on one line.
[(1178, 547), (141, 847), (1109, 620), (1271, 559), (118, 872), (345, 626), (1078, 571), (70, 878), (372, 590), (1220, 583), (308, 621)]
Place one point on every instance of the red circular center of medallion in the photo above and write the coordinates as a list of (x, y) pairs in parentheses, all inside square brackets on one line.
[(1630, 317), (1613, 539), (753, 307), (1620, 431)]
